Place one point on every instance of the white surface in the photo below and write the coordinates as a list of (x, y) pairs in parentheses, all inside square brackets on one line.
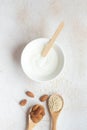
[(24, 20), (40, 68)]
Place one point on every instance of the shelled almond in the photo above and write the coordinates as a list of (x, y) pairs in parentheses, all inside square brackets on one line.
[(30, 94), (37, 113), (44, 98), (23, 102)]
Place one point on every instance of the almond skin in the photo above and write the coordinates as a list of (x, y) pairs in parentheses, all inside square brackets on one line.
[(23, 102), (44, 98), (30, 94)]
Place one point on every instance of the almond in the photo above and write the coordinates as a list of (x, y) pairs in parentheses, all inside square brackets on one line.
[(43, 113), (35, 107), (32, 114), (34, 119), (38, 111), (39, 117), (43, 98), (23, 102), (30, 94)]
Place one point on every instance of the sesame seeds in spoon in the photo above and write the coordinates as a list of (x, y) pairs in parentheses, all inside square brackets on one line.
[(55, 104)]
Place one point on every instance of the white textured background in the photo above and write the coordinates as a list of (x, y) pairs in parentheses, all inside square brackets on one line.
[(24, 20)]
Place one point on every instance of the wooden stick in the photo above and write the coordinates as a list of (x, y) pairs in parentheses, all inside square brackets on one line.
[(49, 45)]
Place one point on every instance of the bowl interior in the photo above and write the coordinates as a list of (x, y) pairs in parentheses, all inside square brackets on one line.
[(24, 59)]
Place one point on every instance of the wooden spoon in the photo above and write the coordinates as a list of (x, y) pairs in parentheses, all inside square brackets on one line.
[(31, 124), (54, 114), (49, 45)]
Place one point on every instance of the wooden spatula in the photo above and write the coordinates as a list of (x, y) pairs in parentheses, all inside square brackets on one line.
[(49, 45)]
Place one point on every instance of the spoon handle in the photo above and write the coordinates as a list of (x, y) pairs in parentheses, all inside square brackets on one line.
[(30, 128), (54, 121), (30, 125)]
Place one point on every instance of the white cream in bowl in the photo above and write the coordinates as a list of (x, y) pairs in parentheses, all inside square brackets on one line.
[(40, 68)]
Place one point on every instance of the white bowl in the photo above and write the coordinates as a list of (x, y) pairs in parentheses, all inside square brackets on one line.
[(25, 58)]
